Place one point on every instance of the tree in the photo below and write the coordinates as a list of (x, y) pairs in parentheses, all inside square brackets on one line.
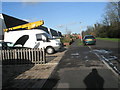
[(111, 20), (110, 24), (111, 13)]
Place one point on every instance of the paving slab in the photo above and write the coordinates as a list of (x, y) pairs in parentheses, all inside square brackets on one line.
[(29, 76)]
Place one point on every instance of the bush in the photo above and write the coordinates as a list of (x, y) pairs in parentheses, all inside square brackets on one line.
[(65, 40)]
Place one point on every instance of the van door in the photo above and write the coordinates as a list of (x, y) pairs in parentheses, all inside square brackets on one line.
[(39, 41)]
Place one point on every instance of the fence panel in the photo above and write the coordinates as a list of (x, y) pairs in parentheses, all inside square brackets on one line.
[(23, 56)]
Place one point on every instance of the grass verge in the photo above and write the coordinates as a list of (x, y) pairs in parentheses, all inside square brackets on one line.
[(79, 42), (110, 39)]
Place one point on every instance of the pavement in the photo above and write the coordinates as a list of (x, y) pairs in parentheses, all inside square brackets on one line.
[(30, 76)]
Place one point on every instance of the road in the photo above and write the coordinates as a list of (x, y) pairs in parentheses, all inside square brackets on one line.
[(87, 67)]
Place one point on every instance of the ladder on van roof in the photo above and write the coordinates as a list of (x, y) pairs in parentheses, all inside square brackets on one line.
[(26, 26)]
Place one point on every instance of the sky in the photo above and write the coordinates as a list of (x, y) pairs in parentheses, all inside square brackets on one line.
[(61, 16)]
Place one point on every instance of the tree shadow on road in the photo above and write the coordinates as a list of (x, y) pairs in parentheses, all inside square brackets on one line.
[(94, 80)]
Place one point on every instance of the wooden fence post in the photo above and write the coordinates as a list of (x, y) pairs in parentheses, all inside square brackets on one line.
[(36, 56), (44, 58)]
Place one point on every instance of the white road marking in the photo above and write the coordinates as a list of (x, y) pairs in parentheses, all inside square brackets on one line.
[(75, 54), (103, 59), (89, 47)]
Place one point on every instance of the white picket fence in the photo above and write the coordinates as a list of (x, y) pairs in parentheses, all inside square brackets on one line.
[(23, 56)]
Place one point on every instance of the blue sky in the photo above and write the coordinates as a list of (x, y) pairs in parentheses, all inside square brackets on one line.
[(58, 15)]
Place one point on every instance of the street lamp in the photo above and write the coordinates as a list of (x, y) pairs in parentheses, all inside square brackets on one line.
[(80, 32)]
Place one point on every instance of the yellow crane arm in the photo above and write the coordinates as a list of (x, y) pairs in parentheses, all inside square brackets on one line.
[(26, 26)]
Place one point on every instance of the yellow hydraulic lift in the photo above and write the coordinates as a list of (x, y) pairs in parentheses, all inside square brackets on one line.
[(26, 26)]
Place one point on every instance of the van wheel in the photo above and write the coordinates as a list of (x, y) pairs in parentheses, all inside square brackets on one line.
[(50, 50)]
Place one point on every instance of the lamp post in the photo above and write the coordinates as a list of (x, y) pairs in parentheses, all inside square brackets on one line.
[(80, 32)]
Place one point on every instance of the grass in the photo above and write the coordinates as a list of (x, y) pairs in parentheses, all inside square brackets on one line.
[(79, 42), (110, 39)]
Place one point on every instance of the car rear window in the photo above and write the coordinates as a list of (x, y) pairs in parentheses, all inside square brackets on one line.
[(89, 37)]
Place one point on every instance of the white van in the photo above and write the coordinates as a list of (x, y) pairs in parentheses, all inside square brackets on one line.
[(34, 38)]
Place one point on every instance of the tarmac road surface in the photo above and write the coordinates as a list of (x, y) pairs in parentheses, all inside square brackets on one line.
[(83, 67)]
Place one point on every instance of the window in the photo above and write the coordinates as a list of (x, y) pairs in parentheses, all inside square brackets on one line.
[(53, 32), (39, 37), (10, 44), (0, 44), (22, 40), (86, 37)]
